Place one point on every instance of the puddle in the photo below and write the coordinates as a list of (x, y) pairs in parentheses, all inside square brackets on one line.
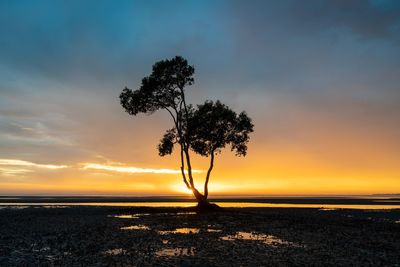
[(135, 227), (126, 216), (186, 213), (175, 252), (266, 239), (14, 207), (141, 214), (180, 231), (327, 209), (115, 251), (53, 207), (187, 230), (397, 221), (44, 249), (20, 207), (129, 216), (214, 230)]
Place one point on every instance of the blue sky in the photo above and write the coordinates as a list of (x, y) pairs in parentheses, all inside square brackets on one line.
[(319, 78)]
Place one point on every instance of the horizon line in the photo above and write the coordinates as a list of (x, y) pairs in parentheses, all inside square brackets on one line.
[(189, 196)]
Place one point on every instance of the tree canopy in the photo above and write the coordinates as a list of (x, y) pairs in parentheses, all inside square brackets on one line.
[(205, 129), (162, 89)]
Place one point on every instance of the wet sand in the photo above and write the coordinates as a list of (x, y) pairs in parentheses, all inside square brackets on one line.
[(134, 236)]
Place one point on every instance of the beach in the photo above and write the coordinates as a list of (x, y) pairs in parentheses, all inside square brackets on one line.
[(179, 236)]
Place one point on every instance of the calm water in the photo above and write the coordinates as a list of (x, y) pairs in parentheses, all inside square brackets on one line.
[(189, 204)]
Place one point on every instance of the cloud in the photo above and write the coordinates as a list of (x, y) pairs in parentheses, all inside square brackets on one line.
[(23, 163), (366, 19), (12, 171), (130, 169), (16, 167)]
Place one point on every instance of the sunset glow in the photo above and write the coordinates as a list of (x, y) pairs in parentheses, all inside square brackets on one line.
[(323, 93), (124, 169), (19, 163)]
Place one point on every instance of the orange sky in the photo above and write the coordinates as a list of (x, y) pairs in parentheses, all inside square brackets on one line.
[(322, 90), (304, 152)]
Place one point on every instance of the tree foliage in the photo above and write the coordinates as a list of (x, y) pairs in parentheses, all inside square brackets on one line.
[(167, 142), (163, 88), (214, 126)]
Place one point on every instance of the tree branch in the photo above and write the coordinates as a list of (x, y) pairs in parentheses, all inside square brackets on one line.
[(172, 115), (176, 122), (183, 170), (186, 143)]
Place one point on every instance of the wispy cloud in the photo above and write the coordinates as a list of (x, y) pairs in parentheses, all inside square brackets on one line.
[(130, 169), (30, 131), (23, 163), (13, 171)]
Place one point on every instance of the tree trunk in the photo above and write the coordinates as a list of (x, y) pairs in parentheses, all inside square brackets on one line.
[(206, 206), (208, 175), (199, 197), (189, 167), (183, 169), (202, 202)]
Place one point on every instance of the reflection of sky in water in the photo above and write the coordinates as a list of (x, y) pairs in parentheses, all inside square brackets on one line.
[(115, 251), (214, 230), (267, 239), (175, 252), (180, 231), (135, 227), (126, 216)]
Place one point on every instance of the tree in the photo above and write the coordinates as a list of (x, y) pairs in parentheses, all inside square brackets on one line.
[(204, 130)]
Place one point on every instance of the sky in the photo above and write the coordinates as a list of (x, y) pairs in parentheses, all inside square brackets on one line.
[(320, 79)]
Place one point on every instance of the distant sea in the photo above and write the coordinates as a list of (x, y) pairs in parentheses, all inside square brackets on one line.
[(322, 202)]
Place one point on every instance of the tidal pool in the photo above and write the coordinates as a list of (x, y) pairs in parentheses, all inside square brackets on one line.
[(266, 239), (180, 231), (175, 252), (126, 216), (115, 251), (214, 230), (135, 227)]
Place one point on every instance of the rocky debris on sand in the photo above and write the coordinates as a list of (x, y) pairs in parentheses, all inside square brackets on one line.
[(115, 236)]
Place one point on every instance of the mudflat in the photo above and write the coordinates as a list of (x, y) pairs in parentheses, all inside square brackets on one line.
[(143, 236)]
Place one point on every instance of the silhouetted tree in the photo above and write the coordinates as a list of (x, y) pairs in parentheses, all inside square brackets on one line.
[(205, 130)]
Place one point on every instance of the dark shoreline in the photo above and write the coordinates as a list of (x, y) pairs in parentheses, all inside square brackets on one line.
[(92, 236)]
